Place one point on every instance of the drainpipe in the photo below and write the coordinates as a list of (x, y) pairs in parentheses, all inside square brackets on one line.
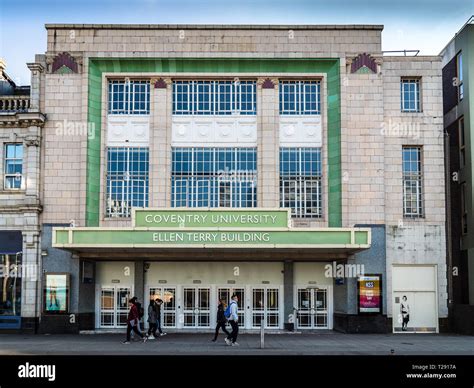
[(449, 258)]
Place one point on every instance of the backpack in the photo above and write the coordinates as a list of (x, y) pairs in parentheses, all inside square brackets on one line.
[(227, 311)]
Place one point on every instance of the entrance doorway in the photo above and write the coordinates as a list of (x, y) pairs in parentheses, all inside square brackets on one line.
[(196, 307), (114, 306), (312, 305), (414, 297), (265, 307), (168, 308)]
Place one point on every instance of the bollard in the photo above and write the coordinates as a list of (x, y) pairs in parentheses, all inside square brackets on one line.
[(262, 336)]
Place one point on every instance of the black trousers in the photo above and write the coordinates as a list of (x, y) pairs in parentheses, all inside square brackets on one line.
[(235, 331), (220, 325), (152, 328), (158, 325), (135, 329)]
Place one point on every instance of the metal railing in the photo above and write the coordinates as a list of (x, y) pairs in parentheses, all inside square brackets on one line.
[(405, 53), (14, 103)]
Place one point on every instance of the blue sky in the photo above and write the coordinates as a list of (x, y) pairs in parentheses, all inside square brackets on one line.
[(409, 24)]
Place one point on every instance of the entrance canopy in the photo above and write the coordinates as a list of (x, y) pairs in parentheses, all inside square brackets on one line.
[(212, 233)]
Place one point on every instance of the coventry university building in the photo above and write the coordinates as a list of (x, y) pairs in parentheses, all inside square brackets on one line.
[(296, 166)]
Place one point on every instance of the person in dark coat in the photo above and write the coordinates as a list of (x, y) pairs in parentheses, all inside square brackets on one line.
[(221, 319), (133, 321), (158, 303), (152, 325)]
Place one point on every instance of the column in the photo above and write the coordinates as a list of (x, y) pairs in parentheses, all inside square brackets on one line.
[(139, 282), (268, 143), (288, 294), (32, 162), (31, 300), (160, 143), (36, 70)]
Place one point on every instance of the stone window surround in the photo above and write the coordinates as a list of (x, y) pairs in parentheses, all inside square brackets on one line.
[(19, 139)]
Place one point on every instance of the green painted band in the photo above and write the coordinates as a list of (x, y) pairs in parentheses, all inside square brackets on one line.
[(175, 218), (97, 66), (134, 238)]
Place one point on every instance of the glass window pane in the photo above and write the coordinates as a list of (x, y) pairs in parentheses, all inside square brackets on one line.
[(213, 177), (10, 284)]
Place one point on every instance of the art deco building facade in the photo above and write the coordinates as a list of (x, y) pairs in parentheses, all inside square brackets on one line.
[(192, 162)]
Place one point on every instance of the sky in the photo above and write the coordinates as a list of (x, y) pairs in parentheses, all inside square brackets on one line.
[(426, 25)]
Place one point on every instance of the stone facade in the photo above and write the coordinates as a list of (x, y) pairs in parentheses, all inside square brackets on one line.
[(20, 208), (370, 157)]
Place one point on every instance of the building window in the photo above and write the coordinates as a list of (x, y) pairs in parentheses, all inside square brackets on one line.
[(412, 182), (300, 97), (127, 180), (214, 97), (10, 284), (13, 162), (462, 144), (459, 77), (300, 181), (214, 177), (463, 208), (129, 97), (410, 95)]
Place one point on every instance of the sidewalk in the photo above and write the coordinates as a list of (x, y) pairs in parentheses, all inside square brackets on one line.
[(330, 343)]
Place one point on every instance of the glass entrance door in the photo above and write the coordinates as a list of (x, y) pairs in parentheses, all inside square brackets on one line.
[(265, 307), (196, 307), (226, 293), (114, 306), (312, 308), (168, 308)]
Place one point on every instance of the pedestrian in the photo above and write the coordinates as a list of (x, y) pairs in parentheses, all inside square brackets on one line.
[(405, 311), (141, 313), (221, 319), (152, 320), (133, 321), (232, 314), (158, 304)]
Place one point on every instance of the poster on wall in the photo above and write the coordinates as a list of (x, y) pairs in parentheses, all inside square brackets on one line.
[(56, 293), (370, 294)]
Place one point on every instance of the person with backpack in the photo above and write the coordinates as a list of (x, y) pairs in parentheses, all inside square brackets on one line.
[(152, 326), (133, 321), (221, 319), (232, 314)]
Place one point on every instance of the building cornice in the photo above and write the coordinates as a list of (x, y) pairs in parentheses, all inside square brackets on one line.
[(21, 209), (215, 26), (22, 119)]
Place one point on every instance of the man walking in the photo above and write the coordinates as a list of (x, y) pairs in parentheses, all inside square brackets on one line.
[(233, 316), (158, 304)]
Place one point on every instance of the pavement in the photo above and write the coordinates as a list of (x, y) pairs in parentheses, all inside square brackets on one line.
[(325, 343)]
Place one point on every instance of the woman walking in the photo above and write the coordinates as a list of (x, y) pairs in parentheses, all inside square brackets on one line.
[(133, 321), (152, 325), (221, 319), (405, 311)]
